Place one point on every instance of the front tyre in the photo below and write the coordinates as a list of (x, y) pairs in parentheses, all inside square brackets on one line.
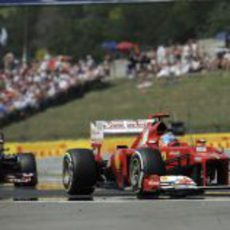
[(79, 172), (145, 162), (27, 164)]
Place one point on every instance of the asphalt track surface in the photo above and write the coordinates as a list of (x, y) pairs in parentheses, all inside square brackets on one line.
[(48, 207), (36, 209), (116, 213)]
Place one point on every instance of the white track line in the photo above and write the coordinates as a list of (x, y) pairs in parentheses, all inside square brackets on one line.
[(113, 201)]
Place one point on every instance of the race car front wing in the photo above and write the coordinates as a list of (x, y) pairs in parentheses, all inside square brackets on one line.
[(18, 178), (171, 185)]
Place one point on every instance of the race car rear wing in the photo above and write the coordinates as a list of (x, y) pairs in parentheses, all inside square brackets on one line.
[(99, 129)]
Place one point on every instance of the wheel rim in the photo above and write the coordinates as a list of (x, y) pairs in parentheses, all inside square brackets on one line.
[(67, 174), (135, 171)]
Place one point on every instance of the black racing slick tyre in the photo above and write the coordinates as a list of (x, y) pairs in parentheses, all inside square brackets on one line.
[(79, 172), (27, 164), (144, 162), (197, 174)]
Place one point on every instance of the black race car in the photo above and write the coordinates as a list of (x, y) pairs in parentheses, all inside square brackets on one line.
[(19, 169)]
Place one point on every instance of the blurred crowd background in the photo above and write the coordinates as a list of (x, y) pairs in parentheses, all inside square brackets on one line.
[(178, 59), (27, 88)]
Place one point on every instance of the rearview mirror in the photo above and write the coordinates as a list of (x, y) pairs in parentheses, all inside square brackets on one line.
[(178, 128)]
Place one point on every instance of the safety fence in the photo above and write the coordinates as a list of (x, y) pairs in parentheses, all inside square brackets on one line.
[(46, 149)]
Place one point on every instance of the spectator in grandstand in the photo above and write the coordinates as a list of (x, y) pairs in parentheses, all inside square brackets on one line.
[(153, 65), (161, 55), (226, 61), (143, 71), (107, 65), (90, 63), (164, 70), (133, 64)]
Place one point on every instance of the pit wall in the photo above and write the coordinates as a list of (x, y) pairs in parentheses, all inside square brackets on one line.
[(44, 149)]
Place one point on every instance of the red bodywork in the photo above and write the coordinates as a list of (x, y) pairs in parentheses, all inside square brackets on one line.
[(207, 163)]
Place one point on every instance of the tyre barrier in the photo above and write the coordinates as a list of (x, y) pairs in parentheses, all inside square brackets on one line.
[(46, 149)]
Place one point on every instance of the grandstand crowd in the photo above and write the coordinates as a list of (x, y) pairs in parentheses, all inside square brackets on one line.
[(176, 60), (28, 88)]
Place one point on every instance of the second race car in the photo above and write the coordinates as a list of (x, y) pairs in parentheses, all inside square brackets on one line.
[(19, 169)]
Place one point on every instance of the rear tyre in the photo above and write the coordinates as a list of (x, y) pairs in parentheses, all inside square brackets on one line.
[(145, 162), (79, 172), (27, 164)]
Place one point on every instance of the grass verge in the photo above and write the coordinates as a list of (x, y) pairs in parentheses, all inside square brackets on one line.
[(202, 101)]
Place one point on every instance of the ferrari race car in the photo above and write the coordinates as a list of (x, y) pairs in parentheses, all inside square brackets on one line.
[(19, 169), (152, 165)]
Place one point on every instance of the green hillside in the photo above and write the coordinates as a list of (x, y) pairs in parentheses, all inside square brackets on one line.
[(202, 101)]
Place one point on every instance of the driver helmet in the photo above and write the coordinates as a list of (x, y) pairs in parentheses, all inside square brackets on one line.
[(168, 138)]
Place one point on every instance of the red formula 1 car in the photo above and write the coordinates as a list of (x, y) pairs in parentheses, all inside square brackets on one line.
[(156, 162)]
